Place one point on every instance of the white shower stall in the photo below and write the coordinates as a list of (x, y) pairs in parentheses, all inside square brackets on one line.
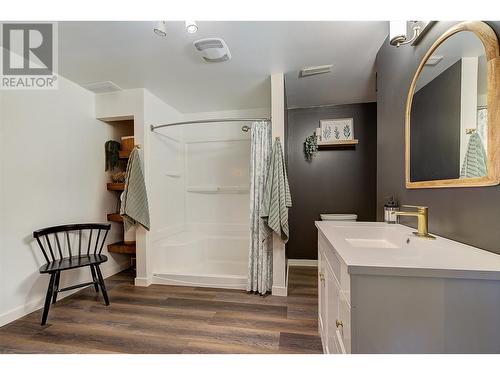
[(201, 178)]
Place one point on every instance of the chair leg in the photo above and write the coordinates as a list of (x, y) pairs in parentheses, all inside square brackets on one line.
[(56, 286), (94, 278), (48, 297), (101, 282)]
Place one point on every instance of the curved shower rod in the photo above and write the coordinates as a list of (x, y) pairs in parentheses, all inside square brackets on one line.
[(206, 121)]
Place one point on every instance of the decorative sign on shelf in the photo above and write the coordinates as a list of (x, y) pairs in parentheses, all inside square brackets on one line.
[(341, 129)]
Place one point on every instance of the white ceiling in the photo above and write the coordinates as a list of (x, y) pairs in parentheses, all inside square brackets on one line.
[(131, 55)]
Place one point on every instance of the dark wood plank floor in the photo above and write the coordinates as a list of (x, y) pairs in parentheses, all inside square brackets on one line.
[(173, 319)]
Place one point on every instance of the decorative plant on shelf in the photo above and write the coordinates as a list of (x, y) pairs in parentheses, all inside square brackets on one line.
[(336, 133), (347, 132), (310, 146)]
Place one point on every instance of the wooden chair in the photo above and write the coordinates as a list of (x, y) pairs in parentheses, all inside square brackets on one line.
[(62, 257)]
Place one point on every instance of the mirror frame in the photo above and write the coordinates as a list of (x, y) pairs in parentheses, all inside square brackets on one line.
[(490, 42)]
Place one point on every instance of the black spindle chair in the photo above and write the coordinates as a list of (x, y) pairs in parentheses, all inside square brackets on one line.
[(81, 250)]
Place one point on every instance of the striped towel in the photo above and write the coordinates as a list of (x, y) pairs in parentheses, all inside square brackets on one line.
[(134, 200), (474, 164), (277, 197)]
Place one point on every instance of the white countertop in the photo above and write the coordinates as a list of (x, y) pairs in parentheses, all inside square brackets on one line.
[(404, 254)]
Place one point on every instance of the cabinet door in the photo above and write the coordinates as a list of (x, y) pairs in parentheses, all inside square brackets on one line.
[(322, 299), (332, 309), (344, 328)]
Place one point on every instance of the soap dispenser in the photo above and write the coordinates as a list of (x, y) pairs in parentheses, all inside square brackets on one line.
[(390, 209)]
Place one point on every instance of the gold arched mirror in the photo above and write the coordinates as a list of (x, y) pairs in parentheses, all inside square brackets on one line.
[(453, 111)]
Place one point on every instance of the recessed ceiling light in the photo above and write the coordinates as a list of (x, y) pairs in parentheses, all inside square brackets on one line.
[(313, 70), (191, 27), (160, 28)]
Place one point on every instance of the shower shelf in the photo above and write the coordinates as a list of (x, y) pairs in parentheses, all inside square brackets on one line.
[(218, 189), (173, 174)]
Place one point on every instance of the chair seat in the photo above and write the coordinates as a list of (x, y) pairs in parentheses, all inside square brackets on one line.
[(73, 262)]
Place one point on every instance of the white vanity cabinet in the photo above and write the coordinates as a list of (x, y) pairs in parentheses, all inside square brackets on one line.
[(383, 290), (334, 309)]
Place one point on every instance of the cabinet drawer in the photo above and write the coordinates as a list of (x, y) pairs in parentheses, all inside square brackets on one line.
[(345, 319), (339, 268), (329, 255)]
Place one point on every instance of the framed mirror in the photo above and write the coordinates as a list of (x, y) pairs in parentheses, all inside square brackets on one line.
[(453, 111)]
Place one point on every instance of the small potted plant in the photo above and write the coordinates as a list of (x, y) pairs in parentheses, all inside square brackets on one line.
[(310, 146)]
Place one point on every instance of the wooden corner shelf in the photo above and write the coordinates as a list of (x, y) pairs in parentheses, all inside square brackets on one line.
[(115, 217), (338, 144), (114, 186), (124, 154), (121, 248)]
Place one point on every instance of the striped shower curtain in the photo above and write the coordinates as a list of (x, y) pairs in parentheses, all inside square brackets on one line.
[(260, 256)]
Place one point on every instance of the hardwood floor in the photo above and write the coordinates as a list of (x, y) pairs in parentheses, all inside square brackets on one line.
[(173, 319)]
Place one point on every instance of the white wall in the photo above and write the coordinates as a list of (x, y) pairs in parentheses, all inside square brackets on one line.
[(52, 172), (161, 158), (280, 281)]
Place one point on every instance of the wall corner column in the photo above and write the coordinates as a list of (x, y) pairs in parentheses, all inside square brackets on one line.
[(280, 278)]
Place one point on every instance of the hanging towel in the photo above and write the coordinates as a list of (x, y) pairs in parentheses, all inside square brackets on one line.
[(134, 200), (277, 197), (475, 160)]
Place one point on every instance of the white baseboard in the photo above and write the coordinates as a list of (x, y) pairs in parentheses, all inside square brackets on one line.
[(143, 281), (29, 307), (280, 291), (303, 262)]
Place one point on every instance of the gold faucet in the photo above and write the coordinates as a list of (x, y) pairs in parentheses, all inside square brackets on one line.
[(423, 220)]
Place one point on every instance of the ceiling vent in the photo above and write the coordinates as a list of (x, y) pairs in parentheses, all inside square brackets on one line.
[(102, 87), (314, 70), (433, 60), (212, 49)]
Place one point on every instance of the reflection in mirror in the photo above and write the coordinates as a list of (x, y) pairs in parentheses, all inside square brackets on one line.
[(448, 133)]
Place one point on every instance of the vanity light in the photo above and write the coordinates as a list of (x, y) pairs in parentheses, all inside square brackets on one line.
[(397, 33), (191, 27), (160, 28)]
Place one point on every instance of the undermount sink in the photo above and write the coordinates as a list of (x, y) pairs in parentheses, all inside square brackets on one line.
[(371, 242)]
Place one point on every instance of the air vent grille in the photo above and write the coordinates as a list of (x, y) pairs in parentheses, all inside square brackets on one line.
[(208, 43), (313, 70), (433, 60), (212, 50), (219, 59), (102, 87)]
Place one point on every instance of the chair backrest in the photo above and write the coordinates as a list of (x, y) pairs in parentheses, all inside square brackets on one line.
[(90, 239)]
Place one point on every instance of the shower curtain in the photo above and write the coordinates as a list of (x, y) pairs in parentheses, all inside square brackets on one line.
[(260, 256)]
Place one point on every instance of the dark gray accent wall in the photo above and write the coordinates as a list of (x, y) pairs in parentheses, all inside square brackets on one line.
[(435, 134), (468, 215), (335, 181)]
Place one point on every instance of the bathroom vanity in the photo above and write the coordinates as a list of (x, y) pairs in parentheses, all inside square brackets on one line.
[(384, 290)]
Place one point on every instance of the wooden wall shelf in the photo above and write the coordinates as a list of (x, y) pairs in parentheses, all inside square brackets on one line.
[(124, 154), (338, 144), (121, 248), (115, 217), (115, 186)]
